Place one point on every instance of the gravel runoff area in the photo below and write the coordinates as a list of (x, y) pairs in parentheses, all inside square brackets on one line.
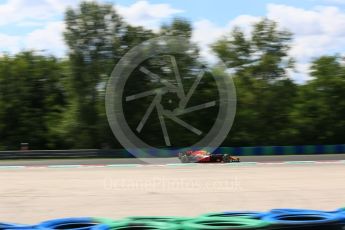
[(31, 195)]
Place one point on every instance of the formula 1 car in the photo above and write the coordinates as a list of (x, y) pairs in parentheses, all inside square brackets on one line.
[(202, 156)]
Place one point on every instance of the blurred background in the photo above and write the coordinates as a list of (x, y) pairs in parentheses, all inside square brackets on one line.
[(285, 57)]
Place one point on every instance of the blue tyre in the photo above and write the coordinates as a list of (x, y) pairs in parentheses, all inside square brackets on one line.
[(305, 221), (250, 214), (294, 211), (12, 226), (79, 223)]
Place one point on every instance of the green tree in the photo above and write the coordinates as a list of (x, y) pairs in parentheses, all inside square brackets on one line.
[(188, 67), (259, 63), (32, 98), (93, 35), (319, 112)]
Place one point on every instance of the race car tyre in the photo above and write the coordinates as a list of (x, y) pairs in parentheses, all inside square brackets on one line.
[(184, 159), (180, 155), (226, 158)]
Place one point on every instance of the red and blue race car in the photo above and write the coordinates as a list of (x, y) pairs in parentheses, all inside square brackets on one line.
[(202, 156)]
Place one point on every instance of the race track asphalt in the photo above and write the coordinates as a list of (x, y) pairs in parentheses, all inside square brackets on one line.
[(33, 194), (101, 161)]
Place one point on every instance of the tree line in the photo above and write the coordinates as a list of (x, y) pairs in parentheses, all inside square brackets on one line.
[(58, 103)]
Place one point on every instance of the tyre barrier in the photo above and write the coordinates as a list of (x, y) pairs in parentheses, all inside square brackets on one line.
[(296, 211), (77, 223), (221, 223), (341, 210), (250, 214), (170, 219), (300, 219), (305, 221), (8, 225), (138, 225), (11, 226)]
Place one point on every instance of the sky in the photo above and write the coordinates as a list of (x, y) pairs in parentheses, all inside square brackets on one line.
[(318, 25)]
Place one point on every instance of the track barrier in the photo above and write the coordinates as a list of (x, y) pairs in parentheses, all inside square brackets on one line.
[(220, 223), (283, 150), (305, 220), (161, 153), (138, 225), (170, 219), (300, 219), (251, 214), (17, 226)]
